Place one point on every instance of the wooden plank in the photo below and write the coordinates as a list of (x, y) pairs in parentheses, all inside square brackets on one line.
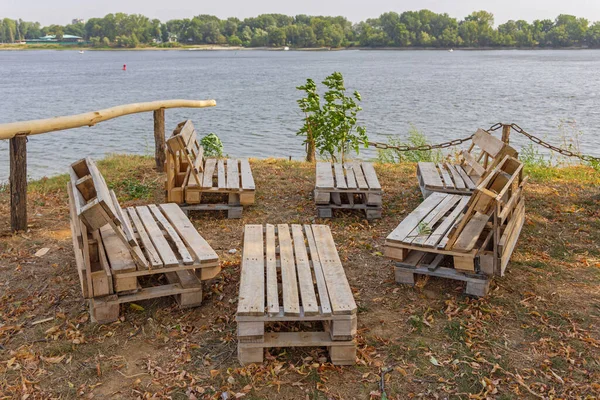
[(324, 176), (209, 171), (361, 182), (116, 251), (125, 225), (76, 236), (430, 175), (153, 257), (289, 282), (445, 176), (305, 279), (233, 174), (471, 232), (488, 143), (318, 270), (440, 232), (350, 178), (465, 177), (85, 186), (371, 176), (156, 236), (183, 251), (340, 179), (246, 173), (272, 288), (340, 294), (197, 244), (472, 163), (103, 260), (296, 339), (198, 164), (415, 217), (102, 192), (459, 182), (221, 184), (434, 216), (252, 281)]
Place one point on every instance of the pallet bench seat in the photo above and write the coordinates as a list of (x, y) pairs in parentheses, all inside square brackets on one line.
[(484, 153), (205, 184), (473, 235), (120, 253), (352, 185), (294, 274)]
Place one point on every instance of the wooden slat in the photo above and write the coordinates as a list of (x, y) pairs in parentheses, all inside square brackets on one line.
[(182, 224), (183, 251), (324, 176), (103, 260), (459, 182), (488, 143), (440, 232), (472, 162), (350, 178), (221, 184), (361, 182), (414, 218), (153, 257), (209, 171), (430, 175), (471, 232), (340, 179), (305, 279), (466, 178), (125, 225), (252, 281), (272, 288), (84, 274), (289, 283), (340, 294), (246, 173), (102, 192), (117, 252), (371, 176), (233, 174), (445, 176), (160, 243), (318, 270), (198, 164), (434, 216)]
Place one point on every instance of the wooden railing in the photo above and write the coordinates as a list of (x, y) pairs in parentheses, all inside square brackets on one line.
[(17, 132)]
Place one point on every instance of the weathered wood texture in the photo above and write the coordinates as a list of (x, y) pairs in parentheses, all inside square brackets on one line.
[(18, 183), (159, 139)]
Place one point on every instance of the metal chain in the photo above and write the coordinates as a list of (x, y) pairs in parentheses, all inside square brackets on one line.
[(424, 147)]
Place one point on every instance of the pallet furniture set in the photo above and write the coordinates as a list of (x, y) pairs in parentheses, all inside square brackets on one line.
[(350, 186), (120, 253), (294, 274), (199, 183), (463, 237), (484, 153), (465, 229)]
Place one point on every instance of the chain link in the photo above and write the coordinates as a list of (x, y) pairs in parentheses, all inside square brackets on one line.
[(495, 127)]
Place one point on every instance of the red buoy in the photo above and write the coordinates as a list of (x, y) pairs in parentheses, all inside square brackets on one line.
[(124, 67)]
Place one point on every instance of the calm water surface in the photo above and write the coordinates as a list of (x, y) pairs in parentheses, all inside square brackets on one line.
[(445, 95)]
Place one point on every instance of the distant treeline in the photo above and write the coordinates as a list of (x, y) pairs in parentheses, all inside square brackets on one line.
[(409, 29)]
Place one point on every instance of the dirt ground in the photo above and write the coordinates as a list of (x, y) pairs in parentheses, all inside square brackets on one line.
[(536, 335)]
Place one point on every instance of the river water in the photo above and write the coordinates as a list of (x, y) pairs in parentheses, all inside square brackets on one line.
[(443, 94)]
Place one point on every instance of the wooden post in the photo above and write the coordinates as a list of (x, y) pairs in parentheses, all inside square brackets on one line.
[(505, 133), (159, 139), (18, 183)]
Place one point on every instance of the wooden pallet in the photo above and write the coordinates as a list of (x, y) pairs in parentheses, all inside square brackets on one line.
[(478, 232), (117, 249), (205, 184), (484, 153), (305, 282), (350, 186)]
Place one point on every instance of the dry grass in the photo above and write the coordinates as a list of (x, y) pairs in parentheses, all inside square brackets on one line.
[(535, 336)]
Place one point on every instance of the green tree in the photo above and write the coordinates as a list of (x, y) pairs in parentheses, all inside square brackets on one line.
[(276, 36)]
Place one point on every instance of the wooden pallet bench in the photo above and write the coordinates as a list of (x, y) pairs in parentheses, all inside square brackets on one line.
[(351, 186), (462, 237), (121, 253), (294, 273), (205, 184), (484, 153)]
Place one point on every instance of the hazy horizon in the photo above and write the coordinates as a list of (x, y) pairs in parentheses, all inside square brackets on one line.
[(63, 11)]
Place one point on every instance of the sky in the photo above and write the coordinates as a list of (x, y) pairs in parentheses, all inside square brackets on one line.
[(63, 11)]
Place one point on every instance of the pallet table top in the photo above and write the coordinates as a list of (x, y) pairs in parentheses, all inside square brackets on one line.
[(292, 272), (444, 177), (350, 177)]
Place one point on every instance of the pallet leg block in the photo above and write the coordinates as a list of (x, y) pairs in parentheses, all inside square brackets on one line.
[(251, 332), (233, 199), (343, 355), (477, 288), (324, 212), (395, 253), (104, 312), (373, 214), (247, 198), (404, 276), (464, 264), (322, 197), (343, 329), (234, 213), (250, 355), (374, 199), (189, 300), (125, 284)]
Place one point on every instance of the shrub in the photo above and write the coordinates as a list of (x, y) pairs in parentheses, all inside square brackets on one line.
[(213, 147), (415, 138)]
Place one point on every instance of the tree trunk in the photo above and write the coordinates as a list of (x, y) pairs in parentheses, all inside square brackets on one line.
[(159, 139), (311, 150), (18, 183)]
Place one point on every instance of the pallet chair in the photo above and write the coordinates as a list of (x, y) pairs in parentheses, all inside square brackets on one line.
[(484, 153), (473, 235), (190, 174), (116, 249)]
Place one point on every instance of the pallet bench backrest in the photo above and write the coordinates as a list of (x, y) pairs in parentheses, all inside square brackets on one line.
[(485, 152), (498, 199)]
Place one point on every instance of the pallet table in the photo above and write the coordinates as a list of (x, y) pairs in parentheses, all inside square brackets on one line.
[(475, 235), (197, 183), (294, 273), (351, 186), (118, 251), (484, 153)]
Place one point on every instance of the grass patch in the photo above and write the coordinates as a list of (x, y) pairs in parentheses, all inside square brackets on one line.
[(415, 139)]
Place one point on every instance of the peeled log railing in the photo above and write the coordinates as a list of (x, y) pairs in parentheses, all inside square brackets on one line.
[(17, 132)]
